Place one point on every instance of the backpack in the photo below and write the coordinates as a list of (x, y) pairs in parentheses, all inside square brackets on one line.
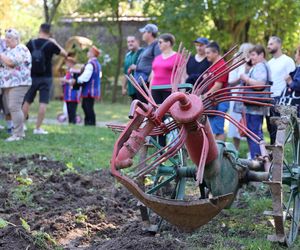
[(38, 59)]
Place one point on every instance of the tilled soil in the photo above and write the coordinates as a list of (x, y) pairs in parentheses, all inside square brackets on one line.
[(89, 211), (64, 209)]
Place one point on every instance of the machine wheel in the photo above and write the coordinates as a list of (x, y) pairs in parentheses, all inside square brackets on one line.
[(285, 178)]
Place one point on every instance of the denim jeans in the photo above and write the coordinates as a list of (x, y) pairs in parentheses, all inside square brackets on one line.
[(254, 123)]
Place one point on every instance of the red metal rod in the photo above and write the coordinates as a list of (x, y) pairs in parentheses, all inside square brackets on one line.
[(175, 63), (240, 87), (148, 91), (203, 157), (244, 100), (140, 89), (248, 132), (227, 53), (217, 76), (259, 100), (155, 154), (169, 153), (206, 82)]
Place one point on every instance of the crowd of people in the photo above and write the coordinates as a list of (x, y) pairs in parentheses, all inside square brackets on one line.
[(26, 70), (154, 63)]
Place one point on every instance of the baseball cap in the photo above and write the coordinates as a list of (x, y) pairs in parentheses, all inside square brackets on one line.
[(202, 40), (150, 27)]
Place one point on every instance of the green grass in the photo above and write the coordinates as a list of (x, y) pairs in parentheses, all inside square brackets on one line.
[(105, 111), (85, 147), (78, 146)]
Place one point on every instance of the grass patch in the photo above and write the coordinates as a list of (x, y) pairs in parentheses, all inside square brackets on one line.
[(105, 111), (86, 147)]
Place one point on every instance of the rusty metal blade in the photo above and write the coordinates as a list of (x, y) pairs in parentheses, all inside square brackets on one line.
[(187, 215)]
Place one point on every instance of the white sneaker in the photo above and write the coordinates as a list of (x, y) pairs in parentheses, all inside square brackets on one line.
[(14, 138), (40, 131)]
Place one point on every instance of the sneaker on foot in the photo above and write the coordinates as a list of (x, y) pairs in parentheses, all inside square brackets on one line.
[(40, 131), (14, 138)]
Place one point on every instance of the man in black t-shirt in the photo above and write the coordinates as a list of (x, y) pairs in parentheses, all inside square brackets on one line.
[(43, 48), (197, 64)]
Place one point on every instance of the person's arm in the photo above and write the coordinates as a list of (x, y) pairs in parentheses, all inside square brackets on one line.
[(86, 74), (294, 84), (6, 60), (217, 86), (150, 78), (250, 81), (62, 50), (124, 85)]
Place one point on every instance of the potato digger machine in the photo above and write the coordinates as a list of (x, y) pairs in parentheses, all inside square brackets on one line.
[(158, 175)]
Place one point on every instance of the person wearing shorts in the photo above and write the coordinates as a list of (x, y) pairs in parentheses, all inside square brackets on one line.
[(42, 79)]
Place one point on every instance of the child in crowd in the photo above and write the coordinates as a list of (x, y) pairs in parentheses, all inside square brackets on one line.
[(71, 91)]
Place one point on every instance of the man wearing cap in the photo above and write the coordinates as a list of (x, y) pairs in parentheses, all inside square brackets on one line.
[(143, 65), (131, 57), (41, 73), (90, 80), (197, 64)]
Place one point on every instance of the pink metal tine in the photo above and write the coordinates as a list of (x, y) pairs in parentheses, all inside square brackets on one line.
[(206, 81), (140, 89), (213, 78), (148, 91), (226, 54), (176, 62), (227, 89), (169, 153), (202, 161), (248, 132)]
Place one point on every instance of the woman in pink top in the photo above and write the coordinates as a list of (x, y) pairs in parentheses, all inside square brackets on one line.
[(162, 67)]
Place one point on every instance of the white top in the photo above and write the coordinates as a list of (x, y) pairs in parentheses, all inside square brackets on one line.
[(280, 68), (86, 74), (235, 74)]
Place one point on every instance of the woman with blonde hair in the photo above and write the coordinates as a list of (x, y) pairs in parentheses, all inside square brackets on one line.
[(15, 79), (235, 109)]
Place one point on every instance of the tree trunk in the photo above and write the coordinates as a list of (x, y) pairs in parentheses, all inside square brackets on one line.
[(50, 13), (119, 59), (46, 11)]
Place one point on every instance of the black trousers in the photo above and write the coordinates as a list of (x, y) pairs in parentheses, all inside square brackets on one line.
[(72, 107), (272, 128), (89, 113), (133, 96), (159, 96)]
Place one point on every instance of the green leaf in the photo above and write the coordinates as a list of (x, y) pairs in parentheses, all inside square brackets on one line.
[(3, 223), (25, 225)]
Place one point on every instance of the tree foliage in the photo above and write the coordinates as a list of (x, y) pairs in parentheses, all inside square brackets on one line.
[(228, 21), (18, 14), (113, 9)]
